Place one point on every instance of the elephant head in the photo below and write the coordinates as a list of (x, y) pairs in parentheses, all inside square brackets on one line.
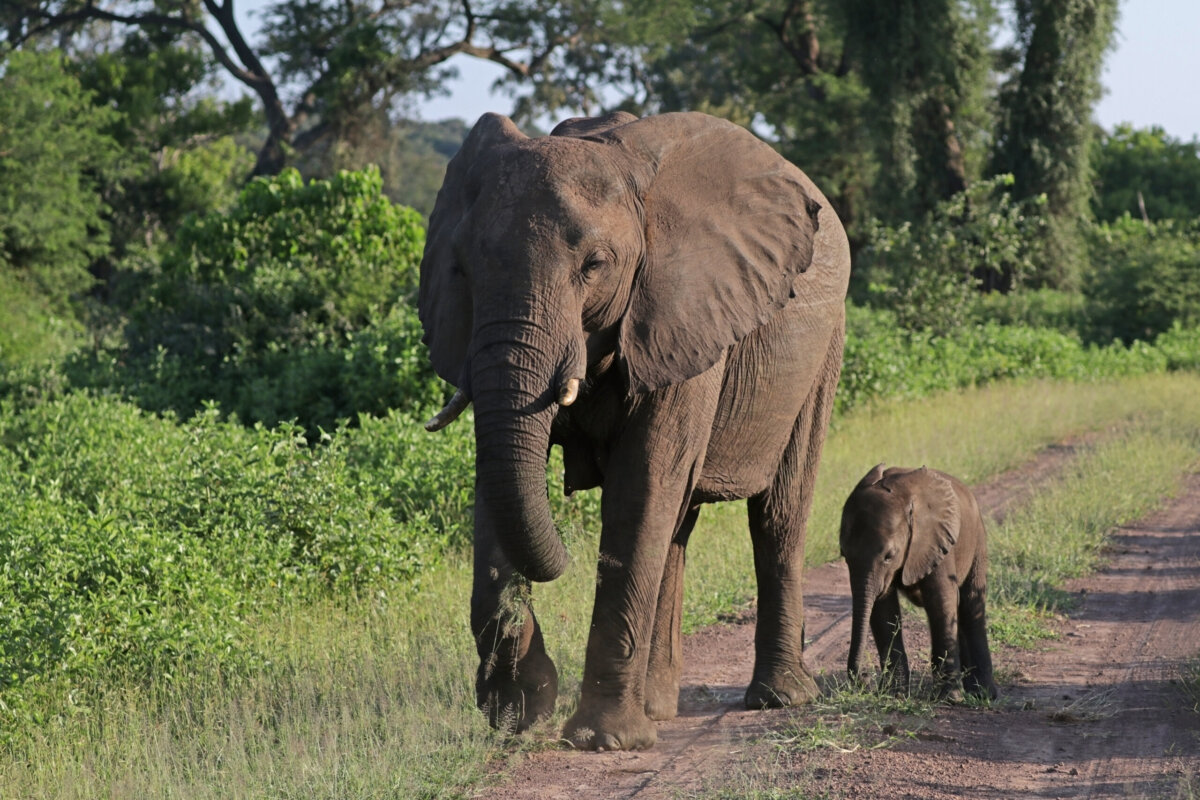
[(896, 523), (644, 246)]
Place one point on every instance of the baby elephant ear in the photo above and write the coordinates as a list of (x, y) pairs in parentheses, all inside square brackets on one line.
[(729, 226), (873, 476), (934, 517)]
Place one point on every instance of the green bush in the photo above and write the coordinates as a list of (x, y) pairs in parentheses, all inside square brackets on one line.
[(1180, 347), (294, 305), (928, 274), (380, 367), (139, 543), (883, 360), (1033, 308), (1145, 277)]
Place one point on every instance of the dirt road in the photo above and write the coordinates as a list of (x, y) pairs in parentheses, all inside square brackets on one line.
[(1098, 713)]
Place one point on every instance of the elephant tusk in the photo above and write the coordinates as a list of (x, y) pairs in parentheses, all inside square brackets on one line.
[(568, 393), (458, 404)]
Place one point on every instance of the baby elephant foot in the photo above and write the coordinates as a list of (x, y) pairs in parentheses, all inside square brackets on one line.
[(782, 689), (514, 702), (984, 689), (610, 730)]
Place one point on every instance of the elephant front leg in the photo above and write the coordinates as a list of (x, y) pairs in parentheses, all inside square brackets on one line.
[(516, 683), (612, 704), (889, 641), (647, 491)]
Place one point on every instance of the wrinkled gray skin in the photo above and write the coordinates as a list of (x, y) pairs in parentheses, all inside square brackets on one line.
[(919, 532), (693, 281)]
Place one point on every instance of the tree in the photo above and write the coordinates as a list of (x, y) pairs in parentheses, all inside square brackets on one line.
[(1045, 127), (1145, 170), (54, 153), (176, 136), (926, 66), (336, 61), (886, 109)]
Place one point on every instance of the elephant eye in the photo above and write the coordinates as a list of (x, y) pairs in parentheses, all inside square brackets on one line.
[(596, 261)]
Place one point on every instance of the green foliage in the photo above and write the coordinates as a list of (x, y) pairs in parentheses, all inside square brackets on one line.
[(176, 134), (884, 360), (135, 543), (293, 305), (52, 154), (929, 273), (31, 329), (1146, 163), (1144, 278), (1062, 311)]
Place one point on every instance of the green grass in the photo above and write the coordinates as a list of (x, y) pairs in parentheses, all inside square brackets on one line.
[(358, 696), (1061, 533), (972, 434)]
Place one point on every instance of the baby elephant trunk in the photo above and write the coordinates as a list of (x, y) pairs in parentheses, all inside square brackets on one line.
[(864, 594)]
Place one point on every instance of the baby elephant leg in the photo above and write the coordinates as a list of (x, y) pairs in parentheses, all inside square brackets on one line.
[(941, 608), (889, 641), (978, 679)]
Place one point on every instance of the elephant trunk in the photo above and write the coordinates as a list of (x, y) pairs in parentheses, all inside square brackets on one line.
[(864, 596), (514, 408)]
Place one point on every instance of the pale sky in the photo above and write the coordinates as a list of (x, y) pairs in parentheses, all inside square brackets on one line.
[(1151, 77)]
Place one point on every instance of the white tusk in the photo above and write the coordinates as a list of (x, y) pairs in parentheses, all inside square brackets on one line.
[(458, 404), (569, 392)]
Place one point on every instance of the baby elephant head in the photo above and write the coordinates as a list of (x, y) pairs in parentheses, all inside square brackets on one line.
[(896, 522)]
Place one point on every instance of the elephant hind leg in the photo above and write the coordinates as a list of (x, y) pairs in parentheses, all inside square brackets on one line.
[(778, 525), (976, 656), (666, 647)]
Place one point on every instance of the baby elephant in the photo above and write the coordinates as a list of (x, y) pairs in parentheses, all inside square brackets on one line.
[(919, 531)]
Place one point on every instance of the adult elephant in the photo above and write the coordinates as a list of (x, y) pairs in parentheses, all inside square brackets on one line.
[(664, 298)]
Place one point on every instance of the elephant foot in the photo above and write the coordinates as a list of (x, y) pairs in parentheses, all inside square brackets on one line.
[(514, 702), (610, 730), (789, 688), (662, 699), (983, 689)]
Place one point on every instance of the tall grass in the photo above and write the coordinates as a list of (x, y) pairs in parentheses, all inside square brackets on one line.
[(1060, 534), (359, 697), (971, 434)]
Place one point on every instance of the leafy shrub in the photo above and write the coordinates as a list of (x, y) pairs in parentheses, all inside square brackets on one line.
[(884, 360), (1180, 346), (380, 367), (294, 305), (133, 540), (1033, 308), (31, 330), (929, 273), (1144, 278)]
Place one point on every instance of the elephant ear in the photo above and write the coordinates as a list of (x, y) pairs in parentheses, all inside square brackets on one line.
[(586, 127), (933, 518), (873, 476), (729, 225), (444, 298)]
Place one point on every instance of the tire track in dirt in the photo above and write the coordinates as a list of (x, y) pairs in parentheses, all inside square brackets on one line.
[(1016, 749)]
